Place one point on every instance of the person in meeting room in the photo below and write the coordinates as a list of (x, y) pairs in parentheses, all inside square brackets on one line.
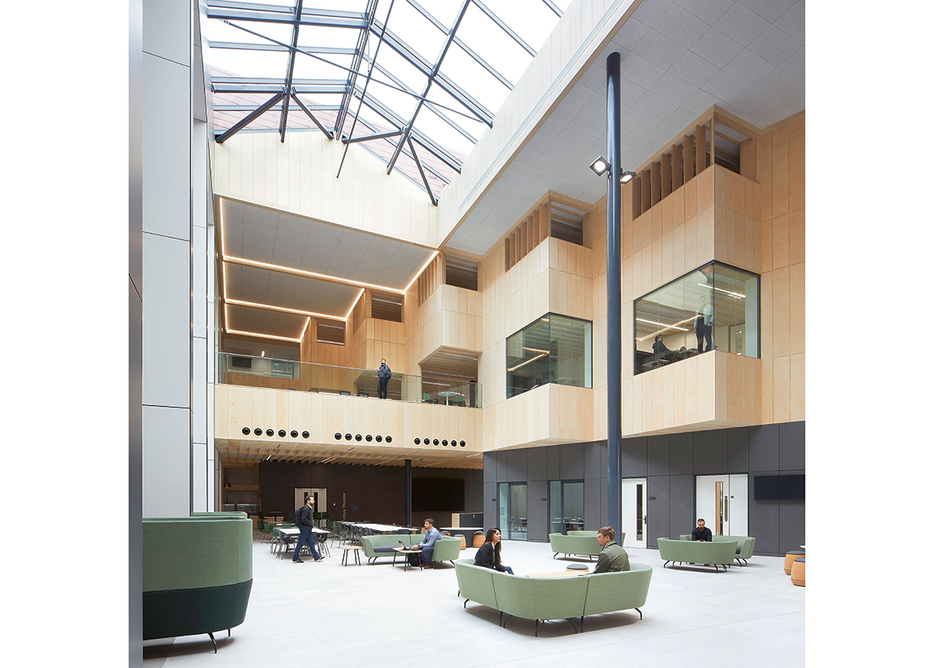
[(489, 554), (703, 324), (662, 352), (428, 542), (613, 557), (305, 523), (383, 375), (702, 532)]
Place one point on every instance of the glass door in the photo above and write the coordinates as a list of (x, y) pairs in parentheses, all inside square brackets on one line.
[(566, 506), (512, 510), (633, 512)]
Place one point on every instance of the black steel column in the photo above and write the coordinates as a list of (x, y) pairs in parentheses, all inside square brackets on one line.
[(409, 505), (613, 365)]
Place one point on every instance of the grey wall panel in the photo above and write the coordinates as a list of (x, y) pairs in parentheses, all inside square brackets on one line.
[(792, 438), (681, 454), (200, 262), (658, 509), (166, 126), (763, 522), (166, 456), (166, 29), (516, 465), (634, 457), (595, 458), (710, 452), (792, 530), (572, 464), (553, 462), (593, 513), (537, 464), (490, 467), (165, 321), (200, 475), (200, 396), (502, 461), (658, 455), (737, 449), (537, 521), (682, 505), (491, 504), (763, 448)]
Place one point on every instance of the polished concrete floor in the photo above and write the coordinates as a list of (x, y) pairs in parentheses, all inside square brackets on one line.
[(325, 614)]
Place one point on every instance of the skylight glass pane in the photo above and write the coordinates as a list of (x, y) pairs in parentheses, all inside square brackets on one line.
[(474, 79), (217, 31), (469, 122), (445, 11), (311, 68), (442, 133), (416, 30), (251, 64), (340, 5), (401, 103), (494, 45), (531, 20)]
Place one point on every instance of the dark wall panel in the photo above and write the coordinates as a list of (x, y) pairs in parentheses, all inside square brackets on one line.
[(634, 458), (763, 522), (516, 465), (490, 499), (658, 509), (793, 441), (682, 505), (572, 465), (710, 452), (792, 532), (658, 455), (737, 449), (502, 459), (681, 454), (596, 459), (764, 447), (593, 502), (490, 467), (537, 505), (537, 464), (553, 462)]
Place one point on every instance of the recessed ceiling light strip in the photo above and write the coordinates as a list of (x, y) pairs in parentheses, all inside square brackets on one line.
[(309, 274), (283, 309)]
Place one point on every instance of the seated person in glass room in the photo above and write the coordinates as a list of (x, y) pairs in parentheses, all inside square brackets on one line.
[(662, 352)]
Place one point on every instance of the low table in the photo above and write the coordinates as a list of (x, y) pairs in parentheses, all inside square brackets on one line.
[(406, 551)]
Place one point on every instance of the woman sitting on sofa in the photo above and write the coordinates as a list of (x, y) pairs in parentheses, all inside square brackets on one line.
[(489, 554)]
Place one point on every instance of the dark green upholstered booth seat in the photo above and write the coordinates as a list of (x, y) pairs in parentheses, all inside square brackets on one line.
[(197, 574), (554, 598)]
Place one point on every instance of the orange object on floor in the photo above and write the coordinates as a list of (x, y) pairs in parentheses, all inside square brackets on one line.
[(799, 572), (789, 559), (478, 540)]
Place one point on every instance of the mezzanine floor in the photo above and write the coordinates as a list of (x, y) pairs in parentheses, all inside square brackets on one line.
[(323, 614)]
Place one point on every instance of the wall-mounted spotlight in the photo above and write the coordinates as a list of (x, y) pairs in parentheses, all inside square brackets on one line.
[(600, 166)]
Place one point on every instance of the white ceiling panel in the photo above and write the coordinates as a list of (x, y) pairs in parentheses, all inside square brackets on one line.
[(260, 321), (274, 288)]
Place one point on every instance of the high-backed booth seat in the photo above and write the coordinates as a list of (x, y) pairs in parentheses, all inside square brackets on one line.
[(582, 543), (447, 548), (553, 598), (717, 553), (197, 574), (744, 551)]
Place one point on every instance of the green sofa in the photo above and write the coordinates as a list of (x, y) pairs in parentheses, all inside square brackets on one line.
[(744, 551), (447, 548), (553, 598), (582, 543), (717, 553), (197, 574)]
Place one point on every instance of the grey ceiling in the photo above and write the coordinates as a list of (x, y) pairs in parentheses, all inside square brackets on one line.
[(678, 59), (262, 321), (274, 288)]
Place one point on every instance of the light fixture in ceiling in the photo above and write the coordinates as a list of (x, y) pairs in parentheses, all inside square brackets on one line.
[(283, 309), (527, 362), (736, 295)]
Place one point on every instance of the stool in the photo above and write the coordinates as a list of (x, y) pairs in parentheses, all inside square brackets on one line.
[(479, 539), (357, 552), (789, 559), (577, 567), (799, 572), (462, 547)]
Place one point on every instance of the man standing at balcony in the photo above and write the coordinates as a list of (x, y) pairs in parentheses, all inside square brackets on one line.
[(383, 375)]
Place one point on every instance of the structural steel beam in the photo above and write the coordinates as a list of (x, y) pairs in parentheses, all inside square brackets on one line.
[(285, 111), (315, 120), (244, 122)]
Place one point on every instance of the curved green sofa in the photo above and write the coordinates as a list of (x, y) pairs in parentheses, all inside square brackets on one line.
[(553, 598), (717, 553), (446, 548), (744, 551), (197, 574), (575, 542)]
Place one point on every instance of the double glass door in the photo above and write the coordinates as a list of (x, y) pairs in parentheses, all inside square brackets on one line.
[(512, 510), (566, 506)]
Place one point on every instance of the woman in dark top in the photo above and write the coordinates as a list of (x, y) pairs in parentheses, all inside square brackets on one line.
[(489, 554)]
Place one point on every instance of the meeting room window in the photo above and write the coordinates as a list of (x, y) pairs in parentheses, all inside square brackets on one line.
[(566, 506), (512, 510), (714, 307), (552, 349)]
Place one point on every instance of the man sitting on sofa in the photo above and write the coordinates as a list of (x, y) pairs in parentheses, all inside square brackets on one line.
[(702, 532), (613, 557), (428, 542)]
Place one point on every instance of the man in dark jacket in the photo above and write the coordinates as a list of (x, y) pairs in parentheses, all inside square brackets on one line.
[(306, 535), (702, 532), (613, 557), (383, 375)]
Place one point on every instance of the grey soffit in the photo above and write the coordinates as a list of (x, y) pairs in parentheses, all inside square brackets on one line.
[(678, 60), (277, 289), (262, 321), (265, 235)]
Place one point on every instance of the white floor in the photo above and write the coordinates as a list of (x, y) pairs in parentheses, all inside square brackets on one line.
[(325, 614)]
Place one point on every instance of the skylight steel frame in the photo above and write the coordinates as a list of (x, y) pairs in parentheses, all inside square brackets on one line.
[(404, 133)]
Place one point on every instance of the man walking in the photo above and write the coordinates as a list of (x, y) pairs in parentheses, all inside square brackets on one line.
[(306, 535)]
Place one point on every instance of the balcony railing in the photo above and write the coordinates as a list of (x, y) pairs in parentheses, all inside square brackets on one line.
[(327, 379)]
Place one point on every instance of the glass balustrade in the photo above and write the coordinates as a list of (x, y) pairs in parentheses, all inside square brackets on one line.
[(233, 369)]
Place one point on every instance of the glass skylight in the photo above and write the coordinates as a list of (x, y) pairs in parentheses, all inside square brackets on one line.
[(462, 57)]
